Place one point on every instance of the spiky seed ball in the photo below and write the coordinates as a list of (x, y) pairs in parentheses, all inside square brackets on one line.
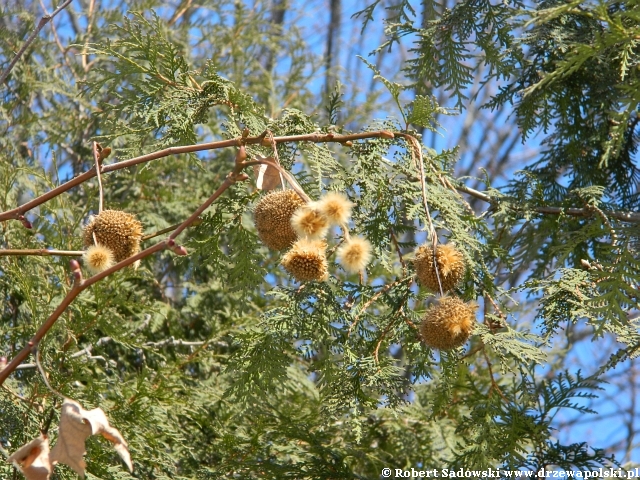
[(119, 231), (451, 267), (336, 207), (309, 222), (448, 323), (354, 254), (97, 258), (272, 217), (307, 260)]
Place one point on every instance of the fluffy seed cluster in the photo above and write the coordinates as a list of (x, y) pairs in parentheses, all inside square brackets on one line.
[(307, 260), (336, 207), (448, 324), (450, 266), (98, 258), (118, 231), (309, 222), (354, 254), (272, 216)]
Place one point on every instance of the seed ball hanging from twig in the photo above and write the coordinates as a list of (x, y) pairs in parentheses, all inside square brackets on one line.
[(307, 260), (448, 324), (118, 231), (451, 267), (272, 217)]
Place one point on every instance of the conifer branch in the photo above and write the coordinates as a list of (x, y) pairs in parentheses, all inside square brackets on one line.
[(43, 21), (628, 217), (79, 284), (18, 213)]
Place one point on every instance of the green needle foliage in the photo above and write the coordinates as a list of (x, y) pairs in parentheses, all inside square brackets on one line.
[(219, 364)]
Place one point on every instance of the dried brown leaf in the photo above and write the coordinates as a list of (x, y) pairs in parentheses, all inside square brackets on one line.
[(72, 433), (100, 426), (267, 177), (78, 424), (33, 459)]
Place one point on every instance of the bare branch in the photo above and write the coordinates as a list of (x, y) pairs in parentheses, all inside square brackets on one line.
[(43, 21), (18, 213), (41, 252)]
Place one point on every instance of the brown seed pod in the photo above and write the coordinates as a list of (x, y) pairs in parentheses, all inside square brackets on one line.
[(272, 216), (451, 267), (307, 260), (118, 231), (448, 324)]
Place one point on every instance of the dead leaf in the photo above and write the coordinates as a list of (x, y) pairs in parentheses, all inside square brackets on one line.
[(267, 177), (33, 459), (78, 424), (100, 426), (72, 433)]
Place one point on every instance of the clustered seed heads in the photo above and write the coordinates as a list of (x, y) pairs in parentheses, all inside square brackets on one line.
[(113, 230), (451, 267), (272, 216), (448, 324), (307, 260), (282, 218)]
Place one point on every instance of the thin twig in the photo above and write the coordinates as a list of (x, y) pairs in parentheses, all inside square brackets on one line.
[(416, 150), (494, 385), (497, 308), (385, 289), (166, 230), (384, 334), (43, 21), (18, 213), (395, 244), (629, 217), (43, 374), (171, 341), (97, 158), (41, 252)]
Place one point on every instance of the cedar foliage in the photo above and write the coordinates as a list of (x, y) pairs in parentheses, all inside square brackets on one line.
[(324, 379)]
